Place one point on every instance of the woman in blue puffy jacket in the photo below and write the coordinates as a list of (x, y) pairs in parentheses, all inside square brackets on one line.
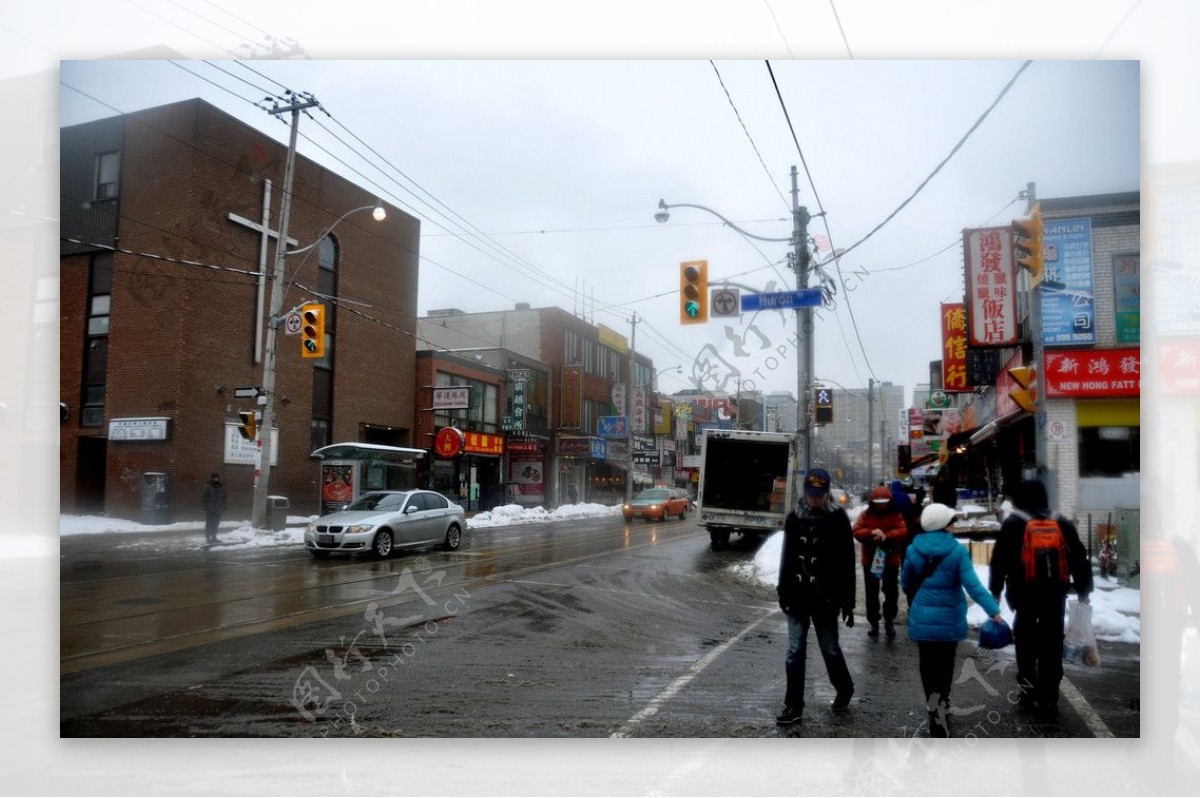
[(938, 568)]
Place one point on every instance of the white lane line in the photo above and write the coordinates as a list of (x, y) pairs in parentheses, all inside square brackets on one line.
[(1097, 726), (691, 673)]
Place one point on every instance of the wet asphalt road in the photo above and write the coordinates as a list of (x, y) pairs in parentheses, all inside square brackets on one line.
[(583, 629)]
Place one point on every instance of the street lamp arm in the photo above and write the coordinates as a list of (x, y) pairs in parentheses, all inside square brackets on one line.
[(662, 216), (378, 211)]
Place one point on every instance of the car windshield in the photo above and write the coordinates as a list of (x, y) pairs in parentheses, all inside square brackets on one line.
[(654, 494), (378, 501)]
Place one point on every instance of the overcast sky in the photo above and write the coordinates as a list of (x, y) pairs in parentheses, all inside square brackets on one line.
[(539, 180)]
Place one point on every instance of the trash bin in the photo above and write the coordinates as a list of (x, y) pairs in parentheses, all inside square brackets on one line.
[(156, 498), (277, 507)]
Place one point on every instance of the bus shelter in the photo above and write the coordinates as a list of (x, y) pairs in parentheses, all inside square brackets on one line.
[(350, 469)]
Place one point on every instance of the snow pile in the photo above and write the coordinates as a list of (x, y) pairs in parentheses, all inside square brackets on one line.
[(1116, 610), (514, 514)]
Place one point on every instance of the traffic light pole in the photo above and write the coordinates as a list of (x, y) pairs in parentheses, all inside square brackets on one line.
[(262, 472), (629, 389), (1048, 476)]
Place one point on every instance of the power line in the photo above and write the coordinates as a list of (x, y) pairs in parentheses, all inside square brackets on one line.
[(746, 130)]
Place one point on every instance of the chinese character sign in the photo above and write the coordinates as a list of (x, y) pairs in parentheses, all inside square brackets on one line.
[(1127, 285), (954, 347), (571, 397), (1068, 301), (991, 287), (1094, 373)]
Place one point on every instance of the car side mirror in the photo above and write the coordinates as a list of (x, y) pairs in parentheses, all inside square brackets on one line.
[(412, 508)]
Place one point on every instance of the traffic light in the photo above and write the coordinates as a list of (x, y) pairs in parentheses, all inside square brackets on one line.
[(1029, 245), (693, 292), (823, 405), (1025, 395), (312, 334), (249, 425)]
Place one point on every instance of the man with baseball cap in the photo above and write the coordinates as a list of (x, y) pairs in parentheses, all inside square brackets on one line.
[(816, 581)]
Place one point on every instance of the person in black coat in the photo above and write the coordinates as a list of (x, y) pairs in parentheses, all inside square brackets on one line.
[(1040, 605), (816, 580)]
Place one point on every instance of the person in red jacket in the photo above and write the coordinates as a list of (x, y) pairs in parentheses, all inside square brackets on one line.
[(881, 526)]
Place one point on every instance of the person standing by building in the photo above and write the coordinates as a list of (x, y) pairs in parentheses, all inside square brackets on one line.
[(936, 571), (881, 530), (572, 493), (816, 581), (214, 502), (1038, 577)]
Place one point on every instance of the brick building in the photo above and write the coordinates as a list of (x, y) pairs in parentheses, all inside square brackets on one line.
[(494, 403), (163, 311), (586, 361)]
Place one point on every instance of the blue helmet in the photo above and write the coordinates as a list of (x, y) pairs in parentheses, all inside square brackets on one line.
[(994, 635)]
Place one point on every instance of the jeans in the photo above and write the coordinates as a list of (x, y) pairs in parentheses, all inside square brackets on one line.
[(891, 593), (826, 622)]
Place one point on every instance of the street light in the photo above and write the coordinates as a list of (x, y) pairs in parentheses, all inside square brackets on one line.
[(262, 473), (804, 315)]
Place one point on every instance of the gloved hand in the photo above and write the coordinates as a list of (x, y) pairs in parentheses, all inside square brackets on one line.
[(785, 603), (1085, 598), (848, 617)]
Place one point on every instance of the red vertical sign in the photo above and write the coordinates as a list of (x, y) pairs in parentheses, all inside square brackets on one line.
[(954, 347)]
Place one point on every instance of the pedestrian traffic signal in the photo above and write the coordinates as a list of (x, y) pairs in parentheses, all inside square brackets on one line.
[(249, 424), (1025, 395), (823, 405), (312, 333), (1029, 245), (693, 292)]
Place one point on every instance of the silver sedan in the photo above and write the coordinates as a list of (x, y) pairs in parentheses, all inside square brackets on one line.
[(382, 521)]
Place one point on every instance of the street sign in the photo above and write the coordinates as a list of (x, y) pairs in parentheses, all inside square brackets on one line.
[(725, 302), (783, 300), (292, 323), (245, 393)]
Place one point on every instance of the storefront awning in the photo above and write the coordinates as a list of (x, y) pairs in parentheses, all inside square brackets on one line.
[(989, 430), (368, 451)]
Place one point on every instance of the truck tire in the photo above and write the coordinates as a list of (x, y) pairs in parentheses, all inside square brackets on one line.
[(719, 538)]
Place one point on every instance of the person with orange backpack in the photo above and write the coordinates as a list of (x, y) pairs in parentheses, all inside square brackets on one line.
[(1040, 558)]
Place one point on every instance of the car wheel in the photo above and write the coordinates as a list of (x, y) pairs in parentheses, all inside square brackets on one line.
[(320, 555), (664, 516), (453, 538), (381, 547), (683, 513)]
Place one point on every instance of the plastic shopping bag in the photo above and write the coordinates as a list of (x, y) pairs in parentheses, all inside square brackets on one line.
[(1079, 643), (878, 562)]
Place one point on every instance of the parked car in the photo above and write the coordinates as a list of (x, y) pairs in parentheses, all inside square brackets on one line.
[(657, 504), (385, 520)]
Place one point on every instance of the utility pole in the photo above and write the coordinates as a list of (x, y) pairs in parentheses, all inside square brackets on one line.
[(1048, 477), (804, 328), (628, 415), (262, 473), (870, 432)]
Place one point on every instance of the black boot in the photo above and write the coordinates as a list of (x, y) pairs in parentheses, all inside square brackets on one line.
[(890, 629), (939, 727), (873, 632)]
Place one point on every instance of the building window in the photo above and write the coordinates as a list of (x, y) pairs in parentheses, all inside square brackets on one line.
[(1109, 451), (319, 434), (107, 169), (95, 351), (483, 415)]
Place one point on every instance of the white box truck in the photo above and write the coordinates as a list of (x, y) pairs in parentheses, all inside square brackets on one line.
[(746, 483)]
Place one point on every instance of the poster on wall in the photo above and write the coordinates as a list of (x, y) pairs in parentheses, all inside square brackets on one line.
[(337, 486), (1068, 298)]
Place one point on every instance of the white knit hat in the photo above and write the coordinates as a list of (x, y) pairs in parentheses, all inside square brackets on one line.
[(937, 516)]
